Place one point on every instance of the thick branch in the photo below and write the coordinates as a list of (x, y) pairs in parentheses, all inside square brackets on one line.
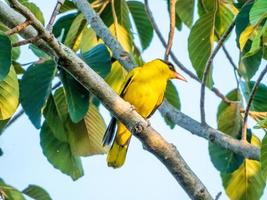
[(207, 70), (250, 100), (209, 133)]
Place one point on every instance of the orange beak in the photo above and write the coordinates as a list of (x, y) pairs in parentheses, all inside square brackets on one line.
[(179, 76)]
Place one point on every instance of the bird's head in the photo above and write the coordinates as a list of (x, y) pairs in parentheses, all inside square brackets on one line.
[(168, 67)]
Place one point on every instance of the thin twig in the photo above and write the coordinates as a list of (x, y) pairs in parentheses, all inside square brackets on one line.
[(207, 70), (19, 27), (175, 59), (115, 19), (218, 196), (172, 29), (14, 118), (27, 41), (230, 59), (236, 72), (250, 100), (49, 26)]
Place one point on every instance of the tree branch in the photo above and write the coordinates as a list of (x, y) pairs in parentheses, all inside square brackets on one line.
[(152, 140), (215, 136), (250, 100), (172, 29), (207, 70), (18, 28), (175, 59), (55, 12)]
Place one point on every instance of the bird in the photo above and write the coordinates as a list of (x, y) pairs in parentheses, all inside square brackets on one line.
[(144, 89)]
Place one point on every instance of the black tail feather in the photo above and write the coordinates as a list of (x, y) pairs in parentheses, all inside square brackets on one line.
[(110, 132)]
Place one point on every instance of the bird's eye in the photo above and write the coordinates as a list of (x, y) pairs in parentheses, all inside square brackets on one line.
[(171, 67)]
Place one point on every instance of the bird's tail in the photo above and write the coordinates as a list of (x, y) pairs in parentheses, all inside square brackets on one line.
[(117, 153)]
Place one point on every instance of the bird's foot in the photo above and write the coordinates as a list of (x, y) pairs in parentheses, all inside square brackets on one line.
[(132, 108), (148, 124), (138, 128)]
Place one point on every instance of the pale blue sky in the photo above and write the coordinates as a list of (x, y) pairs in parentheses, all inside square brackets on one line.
[(142, 176)]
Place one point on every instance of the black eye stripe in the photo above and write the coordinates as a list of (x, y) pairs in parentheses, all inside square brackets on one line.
[(170, 65)]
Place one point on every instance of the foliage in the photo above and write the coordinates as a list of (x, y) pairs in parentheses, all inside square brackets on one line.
[(70, 122)]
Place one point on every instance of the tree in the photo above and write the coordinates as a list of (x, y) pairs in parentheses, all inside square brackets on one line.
[(73, 125)]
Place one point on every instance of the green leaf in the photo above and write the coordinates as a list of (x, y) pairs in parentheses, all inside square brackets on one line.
[(59, 154), (73, 37), (36, 193), (38, 52), (3, 123), (77, 97), (200, 43), (247, 182), (98, 58), (34, 9), (259, 102), (224, 16), (248, 66), (116, 77), (122, 13), (5, 55), (18, 68), (185, 10), (9, 192), (62, 26), (263, 154), (258, 12), (261, 124), (142, 23), (14, 38), (35, 89), (242, 20), (257, 41), (230, 111), (88, 39), (86, 137), (172, 95), (9, 98), (229, 122), (1, 151), (67, 6), (56, 114), (173, 98), (123, 36)]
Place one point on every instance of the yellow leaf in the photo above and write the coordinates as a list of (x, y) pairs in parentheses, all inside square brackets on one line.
[(245, 35), (9, 95)]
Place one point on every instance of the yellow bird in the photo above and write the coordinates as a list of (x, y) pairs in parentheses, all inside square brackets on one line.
[(144, 88)]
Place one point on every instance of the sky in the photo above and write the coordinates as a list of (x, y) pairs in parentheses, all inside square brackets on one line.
[(143, 176)]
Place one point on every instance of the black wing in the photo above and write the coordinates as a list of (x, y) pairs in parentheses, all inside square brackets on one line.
[(110, 132)]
